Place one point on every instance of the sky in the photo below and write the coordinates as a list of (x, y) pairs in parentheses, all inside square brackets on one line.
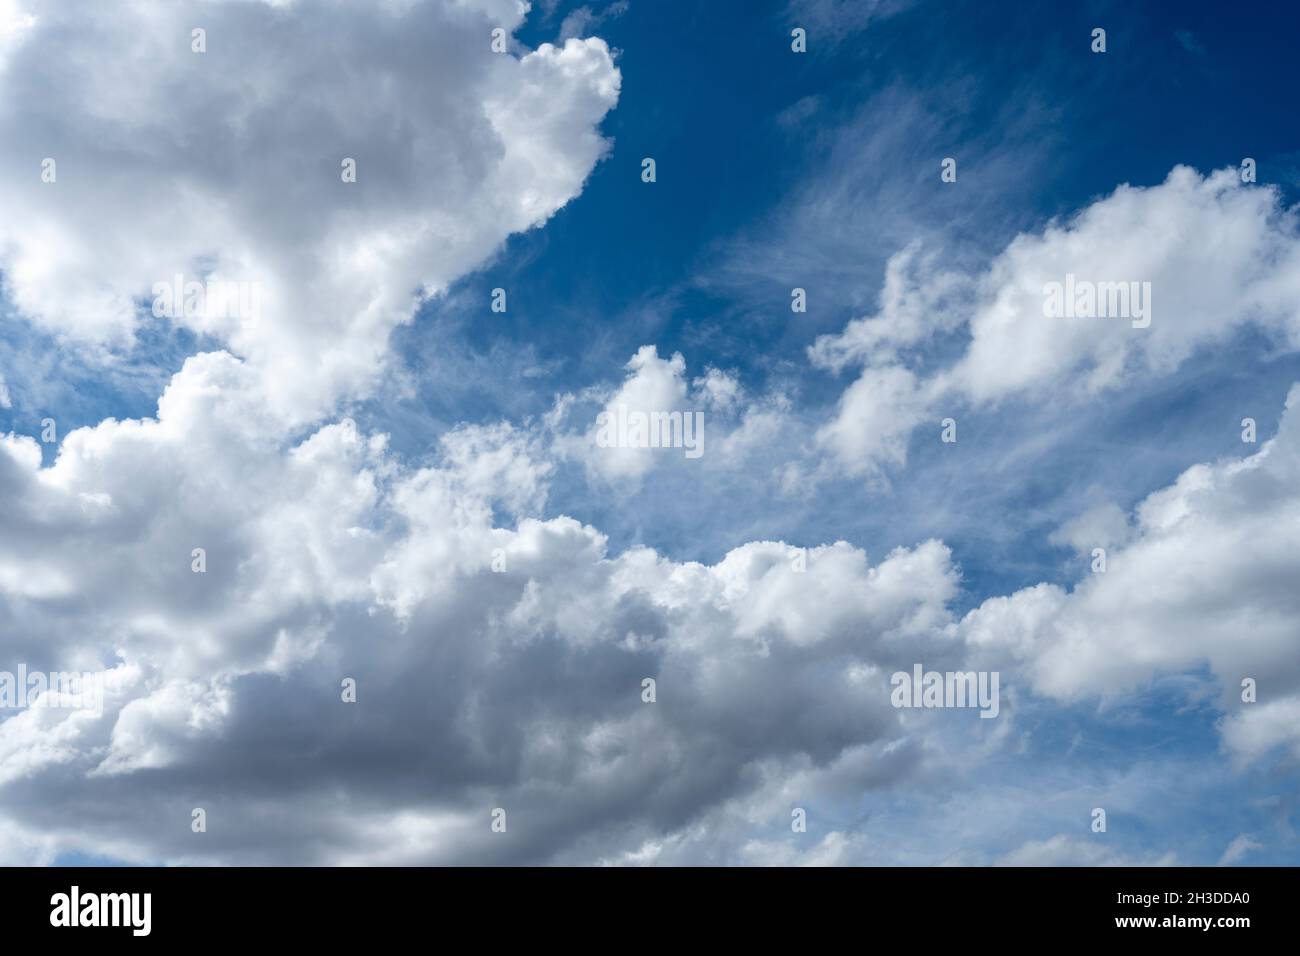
[(359, 580)]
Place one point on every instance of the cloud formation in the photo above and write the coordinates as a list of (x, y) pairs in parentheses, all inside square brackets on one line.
[(1206, 580), (227, 564), (496, 665), (228, 165), (1219, 256)]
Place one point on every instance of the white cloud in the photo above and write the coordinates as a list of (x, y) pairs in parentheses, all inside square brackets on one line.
[(1207, 579), (1065, 850), (1202, 292), (583, 19), (719, 390), (1237, 850), (1218, 255), (874, 420), (834, 21), (328, 557), (240, 177), (919, 300), (652, 385), (1100, 526)]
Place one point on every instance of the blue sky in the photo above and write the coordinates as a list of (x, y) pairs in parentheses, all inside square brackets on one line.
[(778, 170), (1041, 126)]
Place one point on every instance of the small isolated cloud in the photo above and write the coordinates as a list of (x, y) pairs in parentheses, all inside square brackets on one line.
[(1065, 850), (582, 20), (1238, 849)]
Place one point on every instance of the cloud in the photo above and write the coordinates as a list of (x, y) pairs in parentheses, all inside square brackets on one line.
[(837, 20), (227, 165), (584, 19), (1198, 294), (499, 645), (653, 386), (502, 661), (918, 301), (1065, 850), (1206, 580), (1100, 526), (496, 665), (874, 420), (1237, 850)]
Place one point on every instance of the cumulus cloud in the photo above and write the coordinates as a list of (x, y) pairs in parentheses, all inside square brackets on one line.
[(226, 165), (1202, 289), (918, 301), (653, 386), (223, 568), (226, 564), (496, 665), (661, 428), (1206, 580), (1201, 293), (874, 420)]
